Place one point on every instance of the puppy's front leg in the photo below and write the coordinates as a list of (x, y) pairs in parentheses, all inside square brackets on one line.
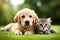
[(18, 32), (28, 32)]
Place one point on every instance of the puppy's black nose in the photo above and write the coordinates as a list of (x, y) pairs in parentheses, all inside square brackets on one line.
[(27, 22)]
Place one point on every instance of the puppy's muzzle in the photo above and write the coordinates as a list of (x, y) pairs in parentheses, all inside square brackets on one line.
[(26, 23)]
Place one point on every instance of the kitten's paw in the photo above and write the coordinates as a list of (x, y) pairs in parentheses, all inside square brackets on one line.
[(40, 32), (47, 32)]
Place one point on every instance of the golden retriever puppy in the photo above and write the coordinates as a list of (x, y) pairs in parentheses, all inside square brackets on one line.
[(25, 19)]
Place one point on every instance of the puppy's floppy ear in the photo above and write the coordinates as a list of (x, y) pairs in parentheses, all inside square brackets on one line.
[(34, 16), (16, 17)]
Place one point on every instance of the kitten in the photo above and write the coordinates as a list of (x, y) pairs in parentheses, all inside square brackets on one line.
[(43, 26)]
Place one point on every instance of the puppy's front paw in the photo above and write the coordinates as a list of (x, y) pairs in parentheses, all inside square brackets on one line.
[(28, 33), (18, 32)]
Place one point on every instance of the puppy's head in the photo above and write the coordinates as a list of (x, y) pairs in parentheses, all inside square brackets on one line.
[(26, 17)]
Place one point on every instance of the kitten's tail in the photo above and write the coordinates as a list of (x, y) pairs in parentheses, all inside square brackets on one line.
[(53, 31)]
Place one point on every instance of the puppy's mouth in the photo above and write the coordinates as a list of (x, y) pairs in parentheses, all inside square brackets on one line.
[(26, 24)]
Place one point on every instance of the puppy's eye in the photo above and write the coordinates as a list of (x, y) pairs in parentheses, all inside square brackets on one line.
[(23, 16), (30, 16)]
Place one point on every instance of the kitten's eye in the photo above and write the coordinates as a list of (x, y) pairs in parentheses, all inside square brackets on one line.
[(30, 16), (40, 24), (45, 24), (23, 16)]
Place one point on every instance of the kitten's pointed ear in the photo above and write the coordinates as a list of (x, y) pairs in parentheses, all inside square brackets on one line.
[(49, 19)]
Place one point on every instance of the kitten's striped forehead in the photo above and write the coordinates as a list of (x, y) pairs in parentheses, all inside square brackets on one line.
[(43, 20)]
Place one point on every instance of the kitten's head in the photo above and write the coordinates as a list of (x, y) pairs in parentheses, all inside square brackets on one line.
[(43, 24)]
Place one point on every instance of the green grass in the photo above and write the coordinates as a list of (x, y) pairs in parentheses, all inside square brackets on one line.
[(4, 35)]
